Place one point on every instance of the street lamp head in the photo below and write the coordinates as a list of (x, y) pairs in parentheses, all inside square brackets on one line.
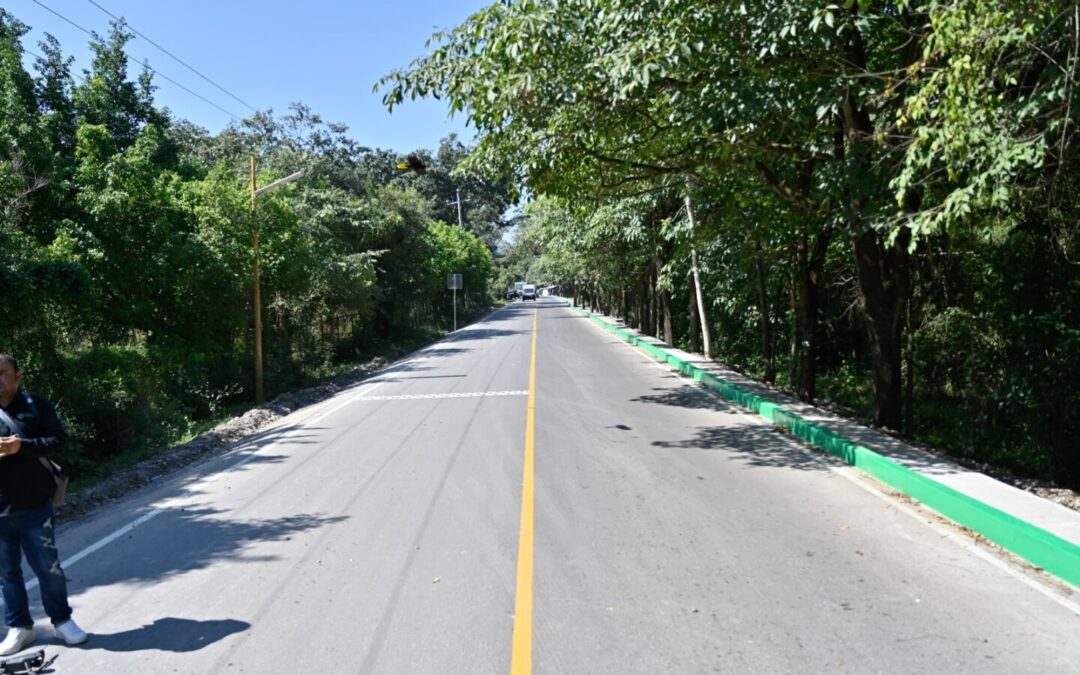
[(278, 183)]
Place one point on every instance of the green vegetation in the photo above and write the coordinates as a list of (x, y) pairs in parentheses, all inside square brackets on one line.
[(884, 193), (126, 251)]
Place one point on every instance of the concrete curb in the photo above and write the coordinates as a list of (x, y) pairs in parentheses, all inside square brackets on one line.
[(1034, 544)]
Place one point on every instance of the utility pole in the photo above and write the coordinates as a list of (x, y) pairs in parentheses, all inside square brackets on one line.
[(255, 274), (697, 279), (457, 192), (258, 293)]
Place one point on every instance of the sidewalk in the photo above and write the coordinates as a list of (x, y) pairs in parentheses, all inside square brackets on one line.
[(1040, 531)]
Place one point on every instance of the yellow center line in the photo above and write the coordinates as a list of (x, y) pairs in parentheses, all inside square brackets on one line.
[(521, 658)]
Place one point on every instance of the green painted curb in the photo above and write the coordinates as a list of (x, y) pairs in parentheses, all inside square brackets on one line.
[(1034, 544)]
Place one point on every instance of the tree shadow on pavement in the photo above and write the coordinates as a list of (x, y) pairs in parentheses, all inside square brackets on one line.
[(420, 377), (428, 353), (755, 445), (686, 396), (761, 445), (293, 433), (168, 635), (188, 539), (484, 334)]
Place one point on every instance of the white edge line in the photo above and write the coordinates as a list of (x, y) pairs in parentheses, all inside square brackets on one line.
[(108, 539), (101, 543), (105, 541), (860, 479)]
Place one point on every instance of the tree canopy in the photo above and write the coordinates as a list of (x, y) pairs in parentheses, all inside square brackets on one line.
[(126, 248), (862, 172)]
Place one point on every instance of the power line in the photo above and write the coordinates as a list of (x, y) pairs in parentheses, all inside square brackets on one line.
[(97, 39), (37, 56), (171, 55), (90, 33)]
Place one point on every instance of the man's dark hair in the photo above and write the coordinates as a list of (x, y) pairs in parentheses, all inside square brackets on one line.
[(10, 360)]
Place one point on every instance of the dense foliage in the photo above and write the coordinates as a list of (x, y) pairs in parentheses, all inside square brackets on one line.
[(884, 192), (126, 256)]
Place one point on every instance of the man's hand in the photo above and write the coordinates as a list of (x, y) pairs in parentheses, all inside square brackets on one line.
[(9, 445)]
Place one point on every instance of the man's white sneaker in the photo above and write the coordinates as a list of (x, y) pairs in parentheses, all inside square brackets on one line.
[(15, 640), (70, 632)]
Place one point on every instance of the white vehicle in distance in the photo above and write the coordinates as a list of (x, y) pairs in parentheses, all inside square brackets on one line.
[(528, 292)]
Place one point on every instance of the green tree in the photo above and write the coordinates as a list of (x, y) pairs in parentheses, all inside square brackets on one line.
[(106, 97)]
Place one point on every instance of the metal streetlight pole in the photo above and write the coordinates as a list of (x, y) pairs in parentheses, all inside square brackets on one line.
[(256, 273), (457, 192)]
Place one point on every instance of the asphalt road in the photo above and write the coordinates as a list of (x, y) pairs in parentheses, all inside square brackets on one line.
[(382, 531)]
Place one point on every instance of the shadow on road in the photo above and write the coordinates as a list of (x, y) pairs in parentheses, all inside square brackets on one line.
[(685, 397), (194, 538), (755, 444), (168, 635), (420, 377), (485, 334), (294, 433), (430, 352)]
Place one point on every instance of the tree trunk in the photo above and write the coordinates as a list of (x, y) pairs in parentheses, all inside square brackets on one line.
[(806, 319), (909, 381), (793, 346), (647, 322), (694, 349), (669, 329), (882, 277), (810, 258), (654, 295), (665, 306), (706, 339), (881, 269), (639, 309), (766, 323), (643, 306)]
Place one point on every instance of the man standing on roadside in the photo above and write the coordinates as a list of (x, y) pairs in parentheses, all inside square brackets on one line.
[(29, 430)]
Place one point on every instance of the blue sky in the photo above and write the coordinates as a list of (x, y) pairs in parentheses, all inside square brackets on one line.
[(327, 54)]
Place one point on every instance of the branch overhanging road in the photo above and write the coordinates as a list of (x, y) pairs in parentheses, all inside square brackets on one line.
[(384, 531)]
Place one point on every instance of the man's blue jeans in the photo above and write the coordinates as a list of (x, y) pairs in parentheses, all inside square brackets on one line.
[(31, 532)]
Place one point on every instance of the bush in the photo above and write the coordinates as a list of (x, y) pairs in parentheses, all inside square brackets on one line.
[(112, 398)]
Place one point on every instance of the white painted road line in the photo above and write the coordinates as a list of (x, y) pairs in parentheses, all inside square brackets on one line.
[(470, 394), (919, 512), (172, 501), (362, 396)]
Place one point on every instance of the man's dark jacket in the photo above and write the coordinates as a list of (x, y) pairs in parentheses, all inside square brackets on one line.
[(25, 483)]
